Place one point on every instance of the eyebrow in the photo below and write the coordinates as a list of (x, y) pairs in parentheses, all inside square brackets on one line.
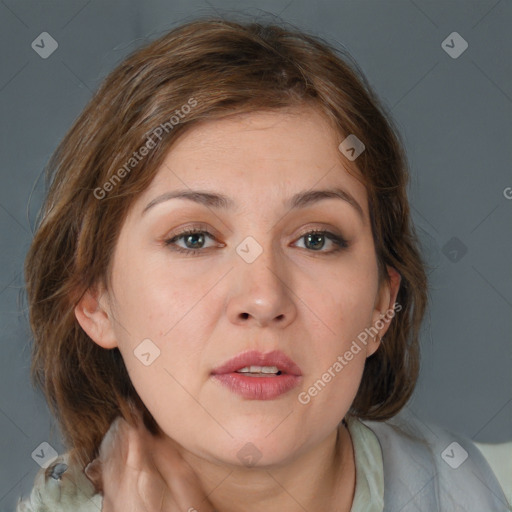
[(220, 201)]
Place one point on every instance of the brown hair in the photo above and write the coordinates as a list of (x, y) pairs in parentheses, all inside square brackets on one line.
[(222, 68)]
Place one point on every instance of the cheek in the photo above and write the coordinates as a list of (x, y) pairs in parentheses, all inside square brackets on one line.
[(339, 340), (152, 298), (346, 301), (166, 314), (342, 314)]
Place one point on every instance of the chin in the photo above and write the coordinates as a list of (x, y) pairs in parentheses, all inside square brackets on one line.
[(249, 447)]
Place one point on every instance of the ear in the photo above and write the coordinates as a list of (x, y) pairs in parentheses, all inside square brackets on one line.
[(384, 310), (95, 317)]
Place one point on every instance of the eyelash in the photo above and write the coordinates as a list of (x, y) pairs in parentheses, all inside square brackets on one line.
[(338, 241)]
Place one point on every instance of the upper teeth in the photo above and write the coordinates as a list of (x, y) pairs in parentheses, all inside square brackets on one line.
[(259, 369)]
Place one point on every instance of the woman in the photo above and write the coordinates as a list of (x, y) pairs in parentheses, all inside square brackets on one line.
[(226, 264)]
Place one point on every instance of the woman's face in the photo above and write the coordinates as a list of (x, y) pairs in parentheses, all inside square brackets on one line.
[(252, 280)]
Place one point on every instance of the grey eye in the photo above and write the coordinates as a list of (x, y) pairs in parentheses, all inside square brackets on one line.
[(58, 471)]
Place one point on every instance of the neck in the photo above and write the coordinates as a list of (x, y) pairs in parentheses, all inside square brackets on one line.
[(322, 478)]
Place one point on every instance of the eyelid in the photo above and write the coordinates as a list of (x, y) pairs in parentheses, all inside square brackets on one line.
[(198, 226), (203, 227), (318, 226)]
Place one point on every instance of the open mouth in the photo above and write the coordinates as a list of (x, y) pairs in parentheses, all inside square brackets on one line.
[(256, 376), (260, 371)]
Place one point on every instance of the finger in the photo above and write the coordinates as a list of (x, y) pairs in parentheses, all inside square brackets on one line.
[(121, 444), (119, 469), (109, 440), (131, 481), (152, 490), (93, 472)]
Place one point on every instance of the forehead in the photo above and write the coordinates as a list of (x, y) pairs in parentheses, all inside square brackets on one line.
[(260, 155)]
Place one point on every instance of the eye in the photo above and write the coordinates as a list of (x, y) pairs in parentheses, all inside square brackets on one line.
[(193, 238), (315, 240)]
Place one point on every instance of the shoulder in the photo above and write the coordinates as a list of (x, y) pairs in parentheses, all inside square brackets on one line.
[(61, 487), (434, 467)]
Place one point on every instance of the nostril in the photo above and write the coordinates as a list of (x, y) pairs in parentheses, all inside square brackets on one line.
[(58, 471)]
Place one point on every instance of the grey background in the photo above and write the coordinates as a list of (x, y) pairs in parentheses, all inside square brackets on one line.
[(454, 115)]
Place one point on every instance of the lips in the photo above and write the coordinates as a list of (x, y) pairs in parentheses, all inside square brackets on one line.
[(257, 376), (254, 358)]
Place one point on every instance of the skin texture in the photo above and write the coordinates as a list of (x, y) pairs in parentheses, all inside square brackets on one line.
[(200, 311)]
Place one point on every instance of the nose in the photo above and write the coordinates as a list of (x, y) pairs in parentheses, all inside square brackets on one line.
[(262, 293)]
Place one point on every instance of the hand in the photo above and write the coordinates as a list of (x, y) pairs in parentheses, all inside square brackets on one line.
[(139, 472)]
